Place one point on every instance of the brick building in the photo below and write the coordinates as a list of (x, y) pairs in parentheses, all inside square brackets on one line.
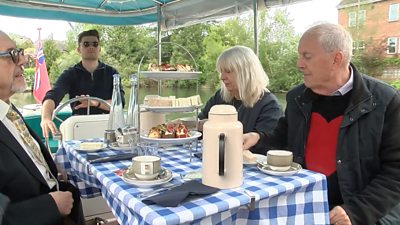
[(375, 27)]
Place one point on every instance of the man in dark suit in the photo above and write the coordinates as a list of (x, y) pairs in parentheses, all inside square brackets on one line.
[(3, 205), (27, 171)]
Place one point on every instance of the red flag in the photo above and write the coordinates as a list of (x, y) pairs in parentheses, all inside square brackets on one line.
[(41, 84)]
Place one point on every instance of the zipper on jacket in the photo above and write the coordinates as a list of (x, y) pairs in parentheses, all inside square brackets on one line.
[(91, 75), (304, 134)]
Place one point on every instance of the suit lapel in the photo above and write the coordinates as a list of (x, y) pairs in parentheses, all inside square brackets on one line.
[(43, 148), (13, 145)]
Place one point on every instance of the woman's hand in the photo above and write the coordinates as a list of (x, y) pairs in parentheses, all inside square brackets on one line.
[(250, 139)]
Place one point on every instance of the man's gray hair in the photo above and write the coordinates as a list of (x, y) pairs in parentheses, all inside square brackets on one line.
[(333, 37)]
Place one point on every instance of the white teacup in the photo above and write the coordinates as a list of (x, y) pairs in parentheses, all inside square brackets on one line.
[(128, 139), (146, 167), (123, 140), (279, 160)]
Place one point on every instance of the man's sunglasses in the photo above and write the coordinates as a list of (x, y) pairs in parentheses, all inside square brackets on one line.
[(14, 54), (86, 44)]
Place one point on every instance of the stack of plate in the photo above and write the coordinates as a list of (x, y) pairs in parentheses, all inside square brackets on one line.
[(164, 177)]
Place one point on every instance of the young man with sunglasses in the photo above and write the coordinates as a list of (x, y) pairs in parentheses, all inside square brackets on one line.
[(28, 174), (88, 77)]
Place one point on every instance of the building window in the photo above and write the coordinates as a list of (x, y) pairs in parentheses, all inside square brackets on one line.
[(394, 12), (361, 17), (391, 45), (358, 45), (354, 18)]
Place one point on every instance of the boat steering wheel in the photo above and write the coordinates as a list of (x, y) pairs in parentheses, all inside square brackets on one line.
[(76, 99)]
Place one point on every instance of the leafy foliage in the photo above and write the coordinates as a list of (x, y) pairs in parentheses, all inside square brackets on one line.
[(396, 84), (29, 75), (371, 60), (51, 53), (124, 47), (278, 51), (64, 61)]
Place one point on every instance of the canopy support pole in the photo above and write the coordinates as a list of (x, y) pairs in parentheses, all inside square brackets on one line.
[(255, 12), (159, 16)]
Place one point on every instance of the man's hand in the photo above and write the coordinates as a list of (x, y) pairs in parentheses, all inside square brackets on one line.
[(46, 122), (46, 125), (84, 103), (64, 201), (337, 216), (250, 139)]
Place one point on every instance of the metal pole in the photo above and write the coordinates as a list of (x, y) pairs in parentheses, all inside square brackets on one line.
[(159, 42), (255, 12), (357, 26)]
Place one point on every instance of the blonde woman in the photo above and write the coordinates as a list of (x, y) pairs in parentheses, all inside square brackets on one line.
[(244, 85)]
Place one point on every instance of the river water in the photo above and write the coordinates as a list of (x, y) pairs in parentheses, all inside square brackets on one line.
[(25, 98)]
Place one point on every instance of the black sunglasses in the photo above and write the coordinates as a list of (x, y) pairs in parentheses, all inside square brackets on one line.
[(14, 54), (86, 44)]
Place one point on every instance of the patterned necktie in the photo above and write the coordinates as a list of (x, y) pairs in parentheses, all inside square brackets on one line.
[(26, 137)]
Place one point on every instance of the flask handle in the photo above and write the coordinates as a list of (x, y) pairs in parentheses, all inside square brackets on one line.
[(221, 155)]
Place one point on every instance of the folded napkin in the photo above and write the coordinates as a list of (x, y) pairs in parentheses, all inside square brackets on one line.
[(173, 197)]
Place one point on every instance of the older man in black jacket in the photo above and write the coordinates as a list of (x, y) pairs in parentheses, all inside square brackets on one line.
[(28, 174), (345, 125), (3, 205)]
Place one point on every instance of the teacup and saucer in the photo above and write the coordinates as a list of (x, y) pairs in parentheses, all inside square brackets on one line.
[(146, 167), (279, 160), (279, 163)]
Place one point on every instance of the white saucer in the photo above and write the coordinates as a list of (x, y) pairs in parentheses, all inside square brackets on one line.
[(117, 146), (259, 158), (131, 179), (295, 168), (90, 149)]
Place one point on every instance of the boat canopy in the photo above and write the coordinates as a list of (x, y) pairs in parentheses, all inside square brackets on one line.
[(169, 14)]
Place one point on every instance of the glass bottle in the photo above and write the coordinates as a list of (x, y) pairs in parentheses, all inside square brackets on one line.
[(116, 119), (132, 118)]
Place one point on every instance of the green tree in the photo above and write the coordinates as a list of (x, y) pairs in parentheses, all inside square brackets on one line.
[(234, 31), (29, 75), (22, 41), (66, 60), (278, 51), (213, 46), (191, 39), (51, 53), (124, 46)]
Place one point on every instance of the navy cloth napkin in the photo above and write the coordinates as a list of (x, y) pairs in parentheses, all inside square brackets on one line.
[(173, 197)]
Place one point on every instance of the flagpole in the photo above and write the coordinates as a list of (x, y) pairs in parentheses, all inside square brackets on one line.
[(39, 29)]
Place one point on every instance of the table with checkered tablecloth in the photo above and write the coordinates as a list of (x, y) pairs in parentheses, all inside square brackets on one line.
[(297, 199)]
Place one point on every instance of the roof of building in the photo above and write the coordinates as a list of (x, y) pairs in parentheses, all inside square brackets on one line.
[(352, 3)]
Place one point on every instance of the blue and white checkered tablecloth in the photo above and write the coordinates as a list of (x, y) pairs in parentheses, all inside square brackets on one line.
[(297, 199)]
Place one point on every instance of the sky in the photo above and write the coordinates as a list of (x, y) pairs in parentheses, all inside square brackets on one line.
[(303, 15), (307, 13)]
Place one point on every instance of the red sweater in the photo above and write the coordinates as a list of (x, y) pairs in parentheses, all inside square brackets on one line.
[(320, 152), (321, 144)]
